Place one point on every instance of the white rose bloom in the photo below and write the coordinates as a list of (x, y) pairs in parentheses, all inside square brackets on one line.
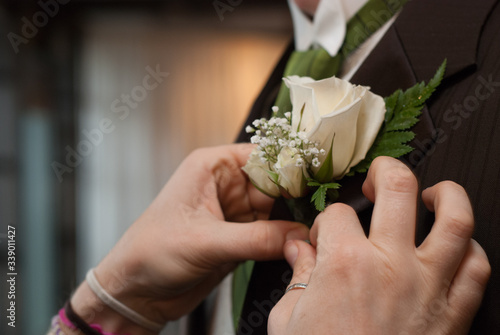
[(256, 170), (291, 171), (335, 107)]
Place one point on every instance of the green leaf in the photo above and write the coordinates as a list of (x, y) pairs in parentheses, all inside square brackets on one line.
[(274, 176), (390, 104), (301, 114), (435, 81), (392, 139), (402, 112), (325, 172), (404, 119), (319, 196), (319, 199), (313, 183)]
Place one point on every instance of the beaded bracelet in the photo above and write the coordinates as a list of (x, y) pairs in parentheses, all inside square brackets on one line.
[(62, 318), (55, 326), (70, 319)]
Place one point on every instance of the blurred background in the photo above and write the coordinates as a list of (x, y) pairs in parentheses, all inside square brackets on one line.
[(99, 102)]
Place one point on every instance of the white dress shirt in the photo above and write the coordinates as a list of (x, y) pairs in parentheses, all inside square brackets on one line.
[(326, 30)]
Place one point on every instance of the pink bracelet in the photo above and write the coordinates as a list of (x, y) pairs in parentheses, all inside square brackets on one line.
[(70, 325)]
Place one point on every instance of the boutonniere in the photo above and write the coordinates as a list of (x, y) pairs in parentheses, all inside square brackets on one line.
[(335, 129)]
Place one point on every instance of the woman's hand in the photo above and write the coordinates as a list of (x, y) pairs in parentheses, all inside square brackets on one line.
[(206, 220), (384, 284)]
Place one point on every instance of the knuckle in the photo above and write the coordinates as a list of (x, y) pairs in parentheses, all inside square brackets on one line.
[(335, 211), (198, 152), (480, 267), (395, 175), (459, 223), (303, 270), (400, 179), (481, 272), (451, 185), (260, 240)]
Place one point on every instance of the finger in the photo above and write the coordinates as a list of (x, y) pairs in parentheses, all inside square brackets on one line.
[(393, 188), (301, 257), (335, 225), (259, 240), (449, 238), (239, 200), (469, 284)]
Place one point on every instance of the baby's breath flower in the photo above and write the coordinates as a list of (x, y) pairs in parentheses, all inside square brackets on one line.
[(255, 139), (275, 109), (276, 134)]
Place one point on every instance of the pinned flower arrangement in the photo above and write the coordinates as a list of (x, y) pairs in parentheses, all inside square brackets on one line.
[(335, 129)]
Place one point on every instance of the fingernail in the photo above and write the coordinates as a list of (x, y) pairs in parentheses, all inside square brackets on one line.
[(291, 252)]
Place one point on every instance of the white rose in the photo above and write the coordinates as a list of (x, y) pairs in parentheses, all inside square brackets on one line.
[(257, 172), (335, 107), (291, 172)]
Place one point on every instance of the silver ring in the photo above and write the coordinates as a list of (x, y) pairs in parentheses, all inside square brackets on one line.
[(296, 286)]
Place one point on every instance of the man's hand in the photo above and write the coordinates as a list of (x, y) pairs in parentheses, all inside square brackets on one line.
[(207, 218), (384, 284)]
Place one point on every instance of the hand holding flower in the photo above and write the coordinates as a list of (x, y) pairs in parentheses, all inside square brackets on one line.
[(207, 219)]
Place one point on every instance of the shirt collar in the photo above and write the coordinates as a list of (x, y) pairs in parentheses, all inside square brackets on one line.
[(328, 28)]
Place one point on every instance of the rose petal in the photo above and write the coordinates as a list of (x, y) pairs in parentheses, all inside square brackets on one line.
[(291, 176), (332, 94), (256, 171), (370, 119), (302, 97), (342, 124)]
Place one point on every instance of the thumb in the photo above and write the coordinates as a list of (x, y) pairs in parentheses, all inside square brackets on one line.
[(259, 240)]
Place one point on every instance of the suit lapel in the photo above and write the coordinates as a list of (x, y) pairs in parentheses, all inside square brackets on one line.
[(410, 52), (431, 31)]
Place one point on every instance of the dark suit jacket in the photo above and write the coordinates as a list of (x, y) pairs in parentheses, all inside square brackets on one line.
[(458, 137)]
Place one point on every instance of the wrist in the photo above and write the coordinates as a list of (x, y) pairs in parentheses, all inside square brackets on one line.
[(93, 310)]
